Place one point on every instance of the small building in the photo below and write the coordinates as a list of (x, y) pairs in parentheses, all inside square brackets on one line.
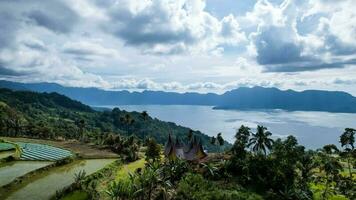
[(192, 151)]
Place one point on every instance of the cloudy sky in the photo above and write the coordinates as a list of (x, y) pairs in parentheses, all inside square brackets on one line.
[(180, 45)]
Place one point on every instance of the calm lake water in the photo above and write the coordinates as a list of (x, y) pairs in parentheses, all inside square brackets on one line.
[(312, 129)]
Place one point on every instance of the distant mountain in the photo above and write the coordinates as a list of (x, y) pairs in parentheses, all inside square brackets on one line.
[(273, 98), (241, 98)]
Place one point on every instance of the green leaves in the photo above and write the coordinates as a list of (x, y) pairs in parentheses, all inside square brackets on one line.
[(260, 141)]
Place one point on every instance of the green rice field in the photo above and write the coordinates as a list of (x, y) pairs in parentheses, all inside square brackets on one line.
[(6, 147), (31, 151), (38, 152)]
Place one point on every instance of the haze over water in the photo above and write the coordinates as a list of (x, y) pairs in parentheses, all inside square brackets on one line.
[(312, 129)]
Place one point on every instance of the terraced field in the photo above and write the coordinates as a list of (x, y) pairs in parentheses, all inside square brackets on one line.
[(6, 146), (31, 151)]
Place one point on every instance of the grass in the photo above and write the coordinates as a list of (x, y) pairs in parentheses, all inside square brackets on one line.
[(76, 195), (318, 190), (123, 172)]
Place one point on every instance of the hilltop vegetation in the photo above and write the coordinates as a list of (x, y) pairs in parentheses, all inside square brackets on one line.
[(256, 167), (54, 116)]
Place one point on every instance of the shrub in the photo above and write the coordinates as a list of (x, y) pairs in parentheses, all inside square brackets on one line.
[(195, 187)]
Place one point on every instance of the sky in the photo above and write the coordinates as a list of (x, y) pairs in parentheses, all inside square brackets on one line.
[(180, 45)]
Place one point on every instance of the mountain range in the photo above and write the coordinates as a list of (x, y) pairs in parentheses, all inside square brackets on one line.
[(241, 98)]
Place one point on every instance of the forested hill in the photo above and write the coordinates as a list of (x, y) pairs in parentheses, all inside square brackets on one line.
[(51, 116), (241, 98), (44, 100)]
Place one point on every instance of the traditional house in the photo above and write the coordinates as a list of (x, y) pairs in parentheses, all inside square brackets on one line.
[(192, 151)]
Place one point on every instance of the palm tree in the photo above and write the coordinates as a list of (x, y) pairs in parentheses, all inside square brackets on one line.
[(190, 134), (81, 126), (331, 168), (220, 140), (144, 115), (127, 120), (213, 140), (79, 178), (261, 141), (347, 140), (242, 139), (306, 165)]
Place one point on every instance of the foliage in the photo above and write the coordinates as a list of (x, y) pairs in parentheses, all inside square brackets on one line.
[(260, 140), (195, 187), (153, 151), (54, 116)]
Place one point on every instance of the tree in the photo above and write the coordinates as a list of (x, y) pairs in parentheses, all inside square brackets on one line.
[(330, 149), (220, 139), (144, 116), (306, 165), (260, 141), (153, 151), (145, 181), (79, 178), (241, 142), (213, 140), (81, 126), (128, 121), (190, 134), (347, 140), (331, 167)]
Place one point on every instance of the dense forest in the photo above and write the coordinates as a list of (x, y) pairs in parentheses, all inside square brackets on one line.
[(255, 168), (54, 116)]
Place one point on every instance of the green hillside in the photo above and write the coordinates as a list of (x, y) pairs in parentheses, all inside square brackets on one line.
[(53, 116)]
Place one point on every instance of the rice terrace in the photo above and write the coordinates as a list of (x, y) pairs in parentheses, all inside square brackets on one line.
[(177, 99)]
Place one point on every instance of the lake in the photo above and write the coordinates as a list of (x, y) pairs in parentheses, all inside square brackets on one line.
[(312, 129)]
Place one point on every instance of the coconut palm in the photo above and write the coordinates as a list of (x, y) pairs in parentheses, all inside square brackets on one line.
[(190, 134), (261, 141), (81, 126), (128, 121), (220, 140), (306, 165), (242, 139), (213, 140), (79, 178), (144, 116), (331, 167), (347, 140)]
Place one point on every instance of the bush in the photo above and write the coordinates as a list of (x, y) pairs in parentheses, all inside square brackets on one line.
[(195, 187)]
